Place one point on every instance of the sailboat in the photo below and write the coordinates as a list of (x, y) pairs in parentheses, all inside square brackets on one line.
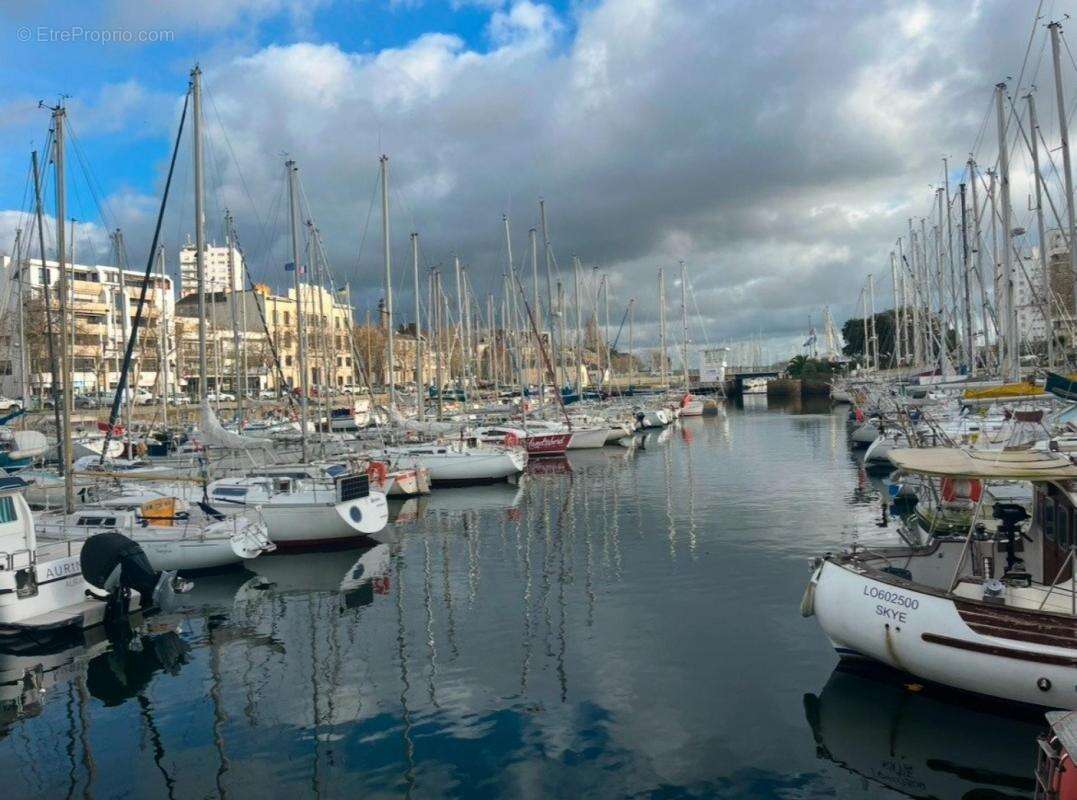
[(991, 614)]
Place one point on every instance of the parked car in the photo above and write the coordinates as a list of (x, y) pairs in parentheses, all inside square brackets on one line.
[(86, 401), (7, 404), (180, 400), (221, 397), (268, 394)]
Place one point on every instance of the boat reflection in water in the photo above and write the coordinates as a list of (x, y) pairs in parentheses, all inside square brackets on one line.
[(356, 574), (922, 741), (504, 497), (111, 670)]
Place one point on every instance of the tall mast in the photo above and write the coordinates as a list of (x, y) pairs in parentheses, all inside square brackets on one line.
[(162, 338), (199, 229), (897, 310), (874, 331), (631, 343), (54, 369), (684, 325), (1034, 133), (229, 241), (662, 324), (977, 243), (917, 333), (554, 312), (21, 265), (293, 221), (467, 349), (436, 308), (532, 236), (58, 116), (966, 266), (459, 325), (418, 329), (121, 300), (940, 274), (391, 356), (579, 326), (1067, 171), (1012, 368), (491, 345), (950, 247), (867, 336), (606, 331)]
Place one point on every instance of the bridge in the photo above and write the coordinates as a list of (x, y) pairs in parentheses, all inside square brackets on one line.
[(737, 375)]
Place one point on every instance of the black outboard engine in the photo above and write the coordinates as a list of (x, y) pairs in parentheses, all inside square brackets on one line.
[(1009, 516), (116, 565)]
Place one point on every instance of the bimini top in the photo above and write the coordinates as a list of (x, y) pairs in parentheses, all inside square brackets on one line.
[(1014, 465)]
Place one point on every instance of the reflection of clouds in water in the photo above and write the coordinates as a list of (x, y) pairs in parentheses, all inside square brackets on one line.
[(625, 626)]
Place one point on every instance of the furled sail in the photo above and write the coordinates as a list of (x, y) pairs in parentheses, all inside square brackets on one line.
[(425, 427), (215, 435)]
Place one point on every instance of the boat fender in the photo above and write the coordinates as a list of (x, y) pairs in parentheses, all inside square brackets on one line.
[(807, 602)]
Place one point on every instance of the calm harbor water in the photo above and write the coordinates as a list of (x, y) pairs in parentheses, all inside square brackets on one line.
[(624, 623)]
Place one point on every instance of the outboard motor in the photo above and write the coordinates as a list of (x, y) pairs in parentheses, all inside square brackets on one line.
[(116, 565), (1009, 516)]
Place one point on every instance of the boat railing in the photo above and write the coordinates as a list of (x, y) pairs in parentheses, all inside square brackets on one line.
[(9, 559)]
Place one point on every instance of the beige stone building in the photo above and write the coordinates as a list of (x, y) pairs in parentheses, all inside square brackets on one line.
[(328, 319)]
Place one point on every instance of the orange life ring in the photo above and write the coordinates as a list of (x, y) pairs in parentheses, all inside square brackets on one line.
[(961, 489), (377, 471)]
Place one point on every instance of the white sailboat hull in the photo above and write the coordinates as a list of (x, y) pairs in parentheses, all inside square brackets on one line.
[(310, 524), (587, 438), (467, 467), (930, 636), (693, 408)]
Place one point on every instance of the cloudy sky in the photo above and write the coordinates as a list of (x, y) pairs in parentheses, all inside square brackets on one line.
[(777, 147)]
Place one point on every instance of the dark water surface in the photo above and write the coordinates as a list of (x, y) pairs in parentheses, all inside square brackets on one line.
[(623, 624)]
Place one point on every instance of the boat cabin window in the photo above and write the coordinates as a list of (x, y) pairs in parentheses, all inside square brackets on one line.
[(96, 522), (335, 470), (1062, 525), (7, 509), (230, 491), (282, 484)]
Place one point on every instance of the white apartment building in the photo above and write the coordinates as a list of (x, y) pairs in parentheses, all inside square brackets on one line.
[(103, 304), (218, 276), (1031, 291)]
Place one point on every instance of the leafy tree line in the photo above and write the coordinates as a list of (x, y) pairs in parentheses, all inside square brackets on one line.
[(886, 329)]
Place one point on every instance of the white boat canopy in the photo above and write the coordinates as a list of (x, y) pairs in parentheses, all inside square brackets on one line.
[(1013, 465)]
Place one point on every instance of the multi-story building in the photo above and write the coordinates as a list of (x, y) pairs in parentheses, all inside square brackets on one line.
[(102, 301), (327, 319), (1031, 295), (219, 275)]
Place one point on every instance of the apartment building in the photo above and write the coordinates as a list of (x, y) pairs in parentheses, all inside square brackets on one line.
[(220, 275), (103, 301), (328, 320)]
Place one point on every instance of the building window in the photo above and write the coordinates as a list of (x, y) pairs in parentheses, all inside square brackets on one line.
[(287, 318), (287, 361)]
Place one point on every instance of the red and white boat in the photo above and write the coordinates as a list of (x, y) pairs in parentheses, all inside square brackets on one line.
[(536, 443), (691, 406)]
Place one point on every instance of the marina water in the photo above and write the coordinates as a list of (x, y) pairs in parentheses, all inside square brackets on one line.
[(623, 623)]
